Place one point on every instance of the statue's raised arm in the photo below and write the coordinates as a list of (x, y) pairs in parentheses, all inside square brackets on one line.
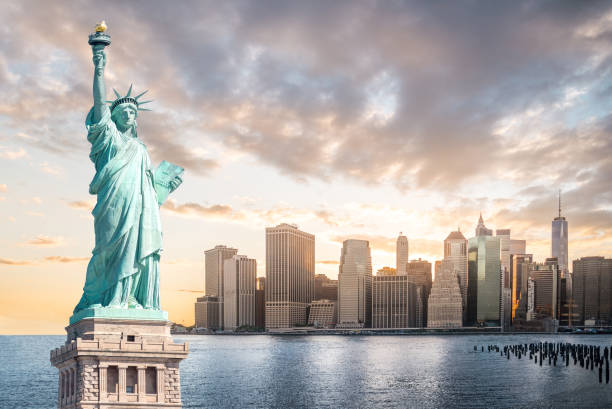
[(98, 43), (99, 88)]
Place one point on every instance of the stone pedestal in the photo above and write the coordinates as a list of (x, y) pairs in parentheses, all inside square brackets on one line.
[(119, 363)]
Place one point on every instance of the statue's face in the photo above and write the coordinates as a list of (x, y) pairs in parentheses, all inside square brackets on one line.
[(126, 116)]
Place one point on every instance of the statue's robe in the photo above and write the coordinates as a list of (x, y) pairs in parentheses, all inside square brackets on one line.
[(124, 267)]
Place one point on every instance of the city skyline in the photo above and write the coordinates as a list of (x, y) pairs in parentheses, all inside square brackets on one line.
[(295, 115)]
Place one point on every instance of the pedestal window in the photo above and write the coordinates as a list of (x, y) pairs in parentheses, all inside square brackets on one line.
[(112, 379)]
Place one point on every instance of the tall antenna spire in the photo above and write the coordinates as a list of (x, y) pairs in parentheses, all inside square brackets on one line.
[(559, 202)]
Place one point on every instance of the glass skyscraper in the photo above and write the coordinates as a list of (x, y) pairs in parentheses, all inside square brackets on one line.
[(559, 240), (484, 277)]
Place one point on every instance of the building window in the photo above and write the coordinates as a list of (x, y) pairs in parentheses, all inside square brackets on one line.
[(131, 379), (112, 379), (131, 338), (151, 380)]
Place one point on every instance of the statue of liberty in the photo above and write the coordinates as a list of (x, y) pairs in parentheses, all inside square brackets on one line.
[(123, 272)]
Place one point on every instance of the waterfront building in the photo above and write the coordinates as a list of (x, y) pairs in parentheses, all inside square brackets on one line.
[(207, 312), (355, 284), (213, 274), (455, 251), (507, 246), (325, 288), (559, 240), (323, 314), (393, 302), (445, 305), (547, 279), (290, 264), (386, 271), (239, 284), (484, 277), (419, 272), (592, 290), (520, 265), (401, 254), (260, 303)]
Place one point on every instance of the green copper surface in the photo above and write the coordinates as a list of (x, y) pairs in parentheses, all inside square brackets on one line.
[(122, 278), (119, 313)]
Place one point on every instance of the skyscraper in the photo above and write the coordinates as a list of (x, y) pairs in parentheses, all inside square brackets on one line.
[(445, 305), (239, 285), (593, 289), (260, 303), (401, 254), (520, 265), (393, 302), (547, 280), (419, 272), (455, 251), (559, 240), (213, 273), (355, 284), (508, 247), (484, 277), (290, 264)]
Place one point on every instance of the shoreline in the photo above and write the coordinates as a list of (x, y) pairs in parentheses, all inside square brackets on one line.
[(377, 332)]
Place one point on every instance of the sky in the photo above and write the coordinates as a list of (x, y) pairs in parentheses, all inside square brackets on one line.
[(351, 119)]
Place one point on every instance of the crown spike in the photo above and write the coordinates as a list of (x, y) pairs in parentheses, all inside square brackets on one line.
[(144, 102), (117, 93), (140, 95), (130, 90), (144, 109)]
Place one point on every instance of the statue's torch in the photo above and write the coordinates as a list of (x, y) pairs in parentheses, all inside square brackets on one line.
[(99, 38)]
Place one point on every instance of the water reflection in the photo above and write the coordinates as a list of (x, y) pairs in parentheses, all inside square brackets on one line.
[(337, 372)]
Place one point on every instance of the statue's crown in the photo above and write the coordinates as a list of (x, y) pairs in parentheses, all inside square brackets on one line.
[(128, 99)]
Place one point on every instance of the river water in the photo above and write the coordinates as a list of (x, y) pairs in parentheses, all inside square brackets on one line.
[(338, 372)]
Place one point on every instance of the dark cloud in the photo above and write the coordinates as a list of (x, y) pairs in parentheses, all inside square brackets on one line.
[(437, 96)]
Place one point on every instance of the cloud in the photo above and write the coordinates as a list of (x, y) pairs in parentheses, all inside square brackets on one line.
[(12, 262), (62, 259), (83, 204), (328, 262), (50, 169), (327, 82), (12, 155), (3, 187), (48, 259), (46, 241), (458, 99), (212, 211), (190, 291)]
